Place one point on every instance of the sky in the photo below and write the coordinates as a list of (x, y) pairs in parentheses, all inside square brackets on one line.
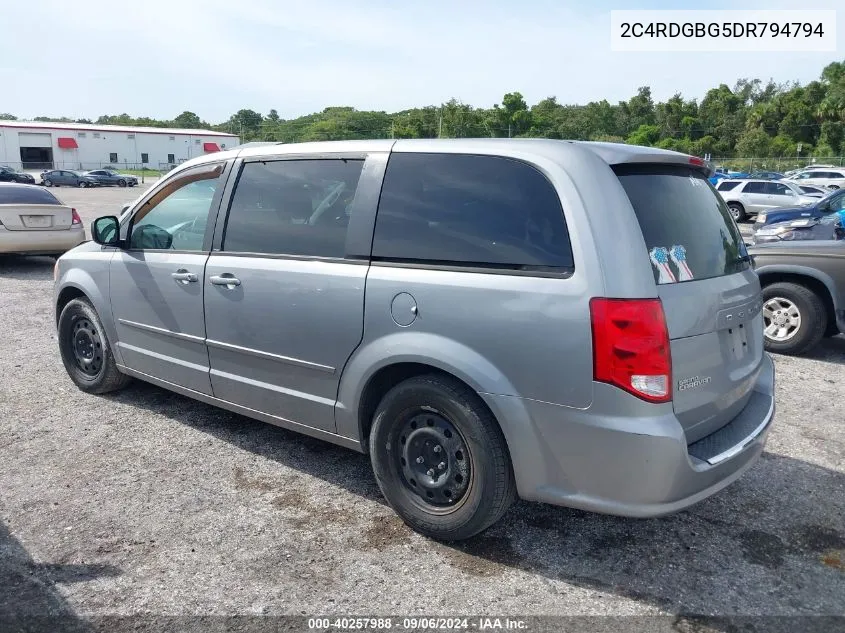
[(213, 57)]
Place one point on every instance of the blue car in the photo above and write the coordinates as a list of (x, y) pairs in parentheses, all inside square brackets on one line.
[(834, 201), (829, 227)]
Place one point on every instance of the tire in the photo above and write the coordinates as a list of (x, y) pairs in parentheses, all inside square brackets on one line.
[(833, 187), (738, 212), (81, 333), (473, 485), (792, 300), (48, 183), (121, 183), (82, 184)]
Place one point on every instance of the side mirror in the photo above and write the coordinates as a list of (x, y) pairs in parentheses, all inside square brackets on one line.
[(106, 231)]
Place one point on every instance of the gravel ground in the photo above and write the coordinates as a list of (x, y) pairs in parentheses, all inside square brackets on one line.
[(148, 502)]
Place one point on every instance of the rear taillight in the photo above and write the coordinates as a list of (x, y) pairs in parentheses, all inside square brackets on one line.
[(631, 347), (75, 219)]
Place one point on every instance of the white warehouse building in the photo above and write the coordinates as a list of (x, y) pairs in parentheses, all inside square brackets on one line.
[(46, 145)]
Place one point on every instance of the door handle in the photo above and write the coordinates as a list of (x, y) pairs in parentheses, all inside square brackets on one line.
[(226, 279), (183, 276)]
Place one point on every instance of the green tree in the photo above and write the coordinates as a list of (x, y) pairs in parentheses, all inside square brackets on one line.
[(754, 142), (5, 116), (645, 135), (188, 120)]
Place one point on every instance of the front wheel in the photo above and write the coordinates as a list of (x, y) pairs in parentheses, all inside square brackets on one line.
[(737, 211), (794, 318), (82, 184), (85, 351), (440, 458), (834, 187), (121, 183)]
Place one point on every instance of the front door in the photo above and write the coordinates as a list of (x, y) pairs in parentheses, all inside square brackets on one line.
[(284, 306), (157, 281)]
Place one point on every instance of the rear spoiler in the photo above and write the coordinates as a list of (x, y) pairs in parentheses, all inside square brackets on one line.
[(618, 154)]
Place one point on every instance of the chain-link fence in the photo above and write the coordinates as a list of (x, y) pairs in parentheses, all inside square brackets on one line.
[(779, 163)]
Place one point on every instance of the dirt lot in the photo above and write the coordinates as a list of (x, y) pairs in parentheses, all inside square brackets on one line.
[(147, 502)]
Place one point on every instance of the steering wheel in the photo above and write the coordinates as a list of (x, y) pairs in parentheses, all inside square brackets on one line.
[(327, 202)]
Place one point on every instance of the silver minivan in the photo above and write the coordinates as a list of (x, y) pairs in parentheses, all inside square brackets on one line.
[(572, 323)]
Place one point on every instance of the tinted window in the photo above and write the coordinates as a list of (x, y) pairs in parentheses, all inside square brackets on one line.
[(176, 216), (459, 209), (683, 220), (727, 186), (778, 189), (26, 195), (293, 207), (754, 187)]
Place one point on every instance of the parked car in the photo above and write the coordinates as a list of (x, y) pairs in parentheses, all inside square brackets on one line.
[(33, 221), (487, 318), (746, 198), (64, 177), (766, 175), (829, 227), (717, 177), (803, 291), (111, 177), (7, 174), (834, 201), (814, 192), (830, 178)]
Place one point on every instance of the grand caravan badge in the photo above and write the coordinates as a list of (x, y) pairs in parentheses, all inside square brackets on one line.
[(693, 383)]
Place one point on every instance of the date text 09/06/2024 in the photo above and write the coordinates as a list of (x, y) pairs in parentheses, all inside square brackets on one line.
[(416, 624)]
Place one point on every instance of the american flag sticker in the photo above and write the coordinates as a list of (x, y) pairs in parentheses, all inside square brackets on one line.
[(659, 256), (679, 256)]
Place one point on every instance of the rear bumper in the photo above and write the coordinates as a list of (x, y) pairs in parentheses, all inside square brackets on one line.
[(636, 465), (35, 242)]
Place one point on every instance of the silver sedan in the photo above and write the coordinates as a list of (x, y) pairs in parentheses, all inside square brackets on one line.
[(34, 222)]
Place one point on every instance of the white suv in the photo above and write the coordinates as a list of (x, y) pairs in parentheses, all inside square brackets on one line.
[(746, 198), (832, 178)]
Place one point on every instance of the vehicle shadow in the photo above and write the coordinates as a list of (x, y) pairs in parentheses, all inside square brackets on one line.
[(772, 543), (830, 350), (29, 600), (29, 268)]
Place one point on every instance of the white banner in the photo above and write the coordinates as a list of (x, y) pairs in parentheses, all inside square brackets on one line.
[(716, 31)]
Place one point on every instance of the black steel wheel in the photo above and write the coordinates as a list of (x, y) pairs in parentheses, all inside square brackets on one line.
[(434, 460), (440, 458), (85, 350), (87, 347)]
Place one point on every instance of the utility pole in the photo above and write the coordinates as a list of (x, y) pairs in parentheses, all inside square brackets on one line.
[(509, 130), (392, 130), (440, 127)]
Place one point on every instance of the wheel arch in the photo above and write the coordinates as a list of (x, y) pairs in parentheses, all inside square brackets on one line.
[(377, 367), (77, 283)]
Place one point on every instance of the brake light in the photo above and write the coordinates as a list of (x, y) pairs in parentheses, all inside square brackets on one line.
[(75, 219), (695, 160), (631, 347)]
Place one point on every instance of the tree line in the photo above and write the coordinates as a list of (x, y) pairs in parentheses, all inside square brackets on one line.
[(752, 119)]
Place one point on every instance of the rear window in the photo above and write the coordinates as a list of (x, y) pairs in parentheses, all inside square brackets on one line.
[(26, 195), (688, 230), (727, 185), (467, 210)]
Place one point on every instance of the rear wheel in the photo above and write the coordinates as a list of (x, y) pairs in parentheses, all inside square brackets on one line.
[(737, 211), (794, 318), (440, 458), (85, 351), (48, 182)]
